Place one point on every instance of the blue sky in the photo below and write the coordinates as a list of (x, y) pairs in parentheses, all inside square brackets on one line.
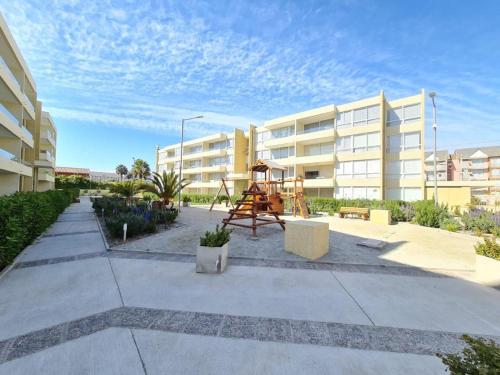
[(117, 76)]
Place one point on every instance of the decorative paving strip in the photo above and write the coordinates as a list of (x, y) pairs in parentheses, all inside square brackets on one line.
[(387, 339), (75, 220), (71, 258), (70, 233), (289, 264)]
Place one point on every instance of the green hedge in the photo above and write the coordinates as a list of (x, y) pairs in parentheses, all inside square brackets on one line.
[(25, 215)]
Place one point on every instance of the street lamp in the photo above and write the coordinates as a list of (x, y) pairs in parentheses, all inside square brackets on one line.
[(432, 95), (182, 147)]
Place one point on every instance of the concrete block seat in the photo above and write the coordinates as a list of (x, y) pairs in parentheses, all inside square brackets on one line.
[(308, 239)]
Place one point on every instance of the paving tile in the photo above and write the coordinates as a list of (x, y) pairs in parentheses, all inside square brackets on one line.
[(242, 327), (204, 324), (309, 332), (36, 341)]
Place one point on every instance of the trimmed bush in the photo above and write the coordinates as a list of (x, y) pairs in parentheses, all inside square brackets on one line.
[(429, 215), (25, 215), (136, 225), (489, 248)]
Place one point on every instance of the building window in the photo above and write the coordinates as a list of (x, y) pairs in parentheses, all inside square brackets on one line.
[(319, 149), (219, 161), (283, 132), (309, 175), (404, 169), (358, 117), (290, 172), (360, 142), (318, 126), (221, 145), (407, 114), (358, 169), (357, 192), (263, 136), (403, 142), (282, 152), (405, 194)]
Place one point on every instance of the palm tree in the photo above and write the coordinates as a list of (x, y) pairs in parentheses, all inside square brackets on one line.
[(141, 169), (121, 170), (126, 189), (166, 185)]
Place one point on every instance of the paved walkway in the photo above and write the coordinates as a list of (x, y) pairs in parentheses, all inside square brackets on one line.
[(71, 307)]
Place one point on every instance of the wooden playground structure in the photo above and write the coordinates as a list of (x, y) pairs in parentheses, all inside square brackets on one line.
[(266, 197)]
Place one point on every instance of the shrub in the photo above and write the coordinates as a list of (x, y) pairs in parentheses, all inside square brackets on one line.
[(186, 198), (429, 215), (111, 206), (480, 220), (136, 225), (481, 357), (25, 215), (201, 198), (215, 239), (489, 248), (165, 216), (450, 224)]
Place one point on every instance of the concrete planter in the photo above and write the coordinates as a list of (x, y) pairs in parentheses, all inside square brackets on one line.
[(487, 271), (380, 216), (185, 204), (211, 259)]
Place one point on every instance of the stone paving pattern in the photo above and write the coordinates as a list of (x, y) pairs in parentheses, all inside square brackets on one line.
[(70, 306)]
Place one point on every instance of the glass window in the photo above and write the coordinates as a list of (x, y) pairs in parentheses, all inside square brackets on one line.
[(310, 150), (359, 192), (359, 167), (372, 193), (412, 194), (411, 168), (311, 175), (411, 113), (394, 169), (373, 168), (359, 142), (327, 148), (344, 144), (373, 141), (395, 116), (412, 141), (360, 116), (309, 128), (344, 119), (373, 114), (327, 124)]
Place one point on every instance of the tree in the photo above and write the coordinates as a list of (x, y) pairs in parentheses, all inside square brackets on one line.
[(166, 185), (141, 169), (121, 170), (126, 189)]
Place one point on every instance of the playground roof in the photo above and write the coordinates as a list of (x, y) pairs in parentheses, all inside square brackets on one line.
[(264, 165)]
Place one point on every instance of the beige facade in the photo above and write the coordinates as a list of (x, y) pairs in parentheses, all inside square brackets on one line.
[(371, 148), (20, 120)]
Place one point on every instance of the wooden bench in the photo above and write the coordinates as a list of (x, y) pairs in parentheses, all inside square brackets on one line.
[(359, 211)]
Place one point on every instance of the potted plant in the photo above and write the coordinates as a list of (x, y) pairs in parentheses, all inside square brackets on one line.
[(211, 255), (185, 200)]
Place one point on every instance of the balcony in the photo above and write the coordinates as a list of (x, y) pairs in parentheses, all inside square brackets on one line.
[(46, 176), (205, 154), (47, 136), (315, 159), (483, 165), (45, 159), (11, 78), (439, 167), (280, 141), (9, 163), (27, 103), (327, 135), (319, 182)]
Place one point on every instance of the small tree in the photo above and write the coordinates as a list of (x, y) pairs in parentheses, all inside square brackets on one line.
[(126, 189), (166, 185), (141, 169), (121, 170)]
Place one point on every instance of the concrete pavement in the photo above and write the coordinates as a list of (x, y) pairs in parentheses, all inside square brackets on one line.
[(68, 307)]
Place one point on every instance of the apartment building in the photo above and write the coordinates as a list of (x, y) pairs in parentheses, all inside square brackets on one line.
[(443, 166), (477, 164), (206, 160), (21, 123), (45, 151), (372, 148)]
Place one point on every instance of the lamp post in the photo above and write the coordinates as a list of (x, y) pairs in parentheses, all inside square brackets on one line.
[(182, 149), (432, 95)]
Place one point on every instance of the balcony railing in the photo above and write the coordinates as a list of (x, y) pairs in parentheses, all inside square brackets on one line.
[(7, 113), (7, 155), (28, 102), (9, 72)]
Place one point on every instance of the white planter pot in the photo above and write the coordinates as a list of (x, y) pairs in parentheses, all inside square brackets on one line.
[(211, 259), (185, 204)]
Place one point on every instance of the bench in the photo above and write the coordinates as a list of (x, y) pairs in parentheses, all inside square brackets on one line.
[(359, 211)]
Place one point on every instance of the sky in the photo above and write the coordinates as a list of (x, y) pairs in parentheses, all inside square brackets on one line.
[(118, 76)]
